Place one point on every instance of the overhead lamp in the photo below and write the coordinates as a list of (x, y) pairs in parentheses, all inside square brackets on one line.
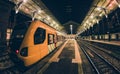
[(40, 17), (101, 15), (40, 11), (87, 21), (17, 7), (48, 17), (94, 21), (71, 28), (53, 22), (92, 16), (19, 4), (33, 15), (104, 9), (99, 8), (97, 21), (85, 24)]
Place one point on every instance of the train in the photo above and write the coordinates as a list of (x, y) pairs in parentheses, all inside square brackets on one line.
[(33, 40)]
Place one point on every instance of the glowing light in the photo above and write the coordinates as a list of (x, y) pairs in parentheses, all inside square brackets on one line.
[(87, 22), (92, 16), (106, 15), (71, 27), (17, 51), (119, 6), (53, 22), (99, 8), (26, 10), (48, 17), (94, 21), (97, 21), (40, 11), (110, 5), (25, 1), (100, 14)]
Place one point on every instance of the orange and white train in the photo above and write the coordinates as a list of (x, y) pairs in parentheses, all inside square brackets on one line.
[(32, 41)]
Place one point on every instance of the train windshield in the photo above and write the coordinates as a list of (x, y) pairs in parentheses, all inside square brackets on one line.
[(18, 34)]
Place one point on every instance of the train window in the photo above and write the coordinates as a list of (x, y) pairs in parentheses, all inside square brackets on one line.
[(39, 36), (50, 38), (20, 30)]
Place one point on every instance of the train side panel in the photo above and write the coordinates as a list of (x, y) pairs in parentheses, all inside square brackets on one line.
[(35, 51)]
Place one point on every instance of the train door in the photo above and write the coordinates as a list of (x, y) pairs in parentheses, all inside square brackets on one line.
[(50, 42)]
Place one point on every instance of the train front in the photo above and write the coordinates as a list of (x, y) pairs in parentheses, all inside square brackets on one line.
[(16, 39)]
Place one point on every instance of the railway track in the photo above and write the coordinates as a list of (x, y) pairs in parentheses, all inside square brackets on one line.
[(107, 54), (99, 63), (6, 65), (112, 49)]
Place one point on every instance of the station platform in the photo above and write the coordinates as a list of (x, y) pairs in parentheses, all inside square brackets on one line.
[(106, 42), (66, 60)]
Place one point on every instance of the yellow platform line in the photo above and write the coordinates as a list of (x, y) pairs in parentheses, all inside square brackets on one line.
[(77, 59), (55, 56), (53, 59), (77, 54)]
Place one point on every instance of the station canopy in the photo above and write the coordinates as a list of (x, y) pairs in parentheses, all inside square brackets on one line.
[(61, 14)]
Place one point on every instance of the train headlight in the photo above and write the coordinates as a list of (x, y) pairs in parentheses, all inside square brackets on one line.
[(17, 51), (24, 52)]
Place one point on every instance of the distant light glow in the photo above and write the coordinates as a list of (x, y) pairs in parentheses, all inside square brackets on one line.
[(99, 8), (119, 6), (94, 21), (40, 11), (27, 10), (48, 17), (92, 16), (87, 22), (25, 1), (106, 15), (71, 27), (100, 14), (17, 51), (97, 21), (53, 22)]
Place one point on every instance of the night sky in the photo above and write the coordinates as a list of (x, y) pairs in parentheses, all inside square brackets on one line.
[(68, 10)]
